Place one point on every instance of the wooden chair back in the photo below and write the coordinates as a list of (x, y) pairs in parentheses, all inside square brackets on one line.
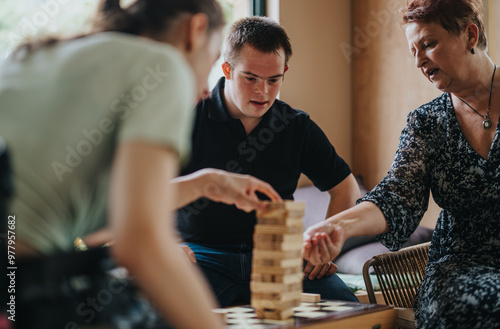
[(399, 274)]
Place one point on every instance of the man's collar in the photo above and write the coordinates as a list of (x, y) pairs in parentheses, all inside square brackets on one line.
[(219, 111)]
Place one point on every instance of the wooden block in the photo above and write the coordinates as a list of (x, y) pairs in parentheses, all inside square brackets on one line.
[(277, 296), (310, 298), (274, 305), (284, 238), (276, 270), (283, 246), (283, 263), (286, 279), (362, 296), (290, 205), (274, 211), (274, 314), (270, 287), (276, 254), (282, 210), (278, 229), (281, 221), (290, 241)]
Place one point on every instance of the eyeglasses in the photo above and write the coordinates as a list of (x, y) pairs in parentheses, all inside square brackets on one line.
[(251, 79)]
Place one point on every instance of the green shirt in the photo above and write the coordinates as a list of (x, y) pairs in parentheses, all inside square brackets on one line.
[(64, 109)]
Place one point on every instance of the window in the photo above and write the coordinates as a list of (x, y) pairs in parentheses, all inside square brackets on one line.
[(233, 10), (24, 19)]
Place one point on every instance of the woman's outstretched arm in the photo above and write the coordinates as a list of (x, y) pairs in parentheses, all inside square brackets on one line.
[(140, 202), (323, 241)]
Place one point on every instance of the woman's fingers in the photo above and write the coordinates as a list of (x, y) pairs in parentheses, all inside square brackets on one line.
[(266, 189), (319, 248)]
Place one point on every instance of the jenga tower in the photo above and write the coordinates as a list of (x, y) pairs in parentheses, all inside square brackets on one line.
[(276, 284)]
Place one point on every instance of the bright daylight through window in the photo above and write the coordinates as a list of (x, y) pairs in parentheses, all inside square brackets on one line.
[(21, 20)]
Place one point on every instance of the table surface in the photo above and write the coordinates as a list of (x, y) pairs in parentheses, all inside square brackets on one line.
[(323, 314)]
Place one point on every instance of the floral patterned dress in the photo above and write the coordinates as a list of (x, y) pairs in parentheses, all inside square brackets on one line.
[(461, 288)]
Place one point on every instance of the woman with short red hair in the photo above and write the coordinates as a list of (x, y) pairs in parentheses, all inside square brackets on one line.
[(451, 146)]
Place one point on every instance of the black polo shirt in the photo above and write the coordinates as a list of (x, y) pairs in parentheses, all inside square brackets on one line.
[(284, 144)]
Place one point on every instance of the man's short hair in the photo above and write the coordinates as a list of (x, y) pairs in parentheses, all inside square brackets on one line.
[(262, 33)]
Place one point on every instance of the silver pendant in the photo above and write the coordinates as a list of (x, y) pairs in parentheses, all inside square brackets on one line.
[(487, 124)]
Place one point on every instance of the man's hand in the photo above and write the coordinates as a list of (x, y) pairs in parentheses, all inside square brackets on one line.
[(322, 243), (319, 271), (189, 253)]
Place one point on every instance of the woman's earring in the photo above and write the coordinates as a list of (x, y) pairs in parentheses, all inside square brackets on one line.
[(472, 51)]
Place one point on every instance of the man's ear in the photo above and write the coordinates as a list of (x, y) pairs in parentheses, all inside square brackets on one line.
[(286, 68), (197, 33), (226, 69)]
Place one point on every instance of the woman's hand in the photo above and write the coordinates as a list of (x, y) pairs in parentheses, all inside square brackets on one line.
[(222, 186), (240, 190), (322, 243)]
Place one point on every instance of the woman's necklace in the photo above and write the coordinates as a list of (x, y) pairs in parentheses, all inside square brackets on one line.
[(487, 120)]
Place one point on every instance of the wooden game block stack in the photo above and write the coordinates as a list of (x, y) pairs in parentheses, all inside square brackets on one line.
[(276, 283)]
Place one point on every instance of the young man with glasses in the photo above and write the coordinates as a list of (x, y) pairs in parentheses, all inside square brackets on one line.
[(243, 128)]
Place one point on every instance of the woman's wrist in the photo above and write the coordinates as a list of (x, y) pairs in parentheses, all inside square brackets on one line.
[(364, 219), (343, 225), (206, 178)]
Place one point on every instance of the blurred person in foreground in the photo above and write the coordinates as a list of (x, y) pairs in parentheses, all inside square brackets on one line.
[(96, 126)]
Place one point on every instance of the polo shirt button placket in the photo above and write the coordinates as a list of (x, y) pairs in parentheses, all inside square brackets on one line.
[(245, 158)]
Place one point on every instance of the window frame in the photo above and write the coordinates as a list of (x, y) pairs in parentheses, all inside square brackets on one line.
[(260, 7)]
